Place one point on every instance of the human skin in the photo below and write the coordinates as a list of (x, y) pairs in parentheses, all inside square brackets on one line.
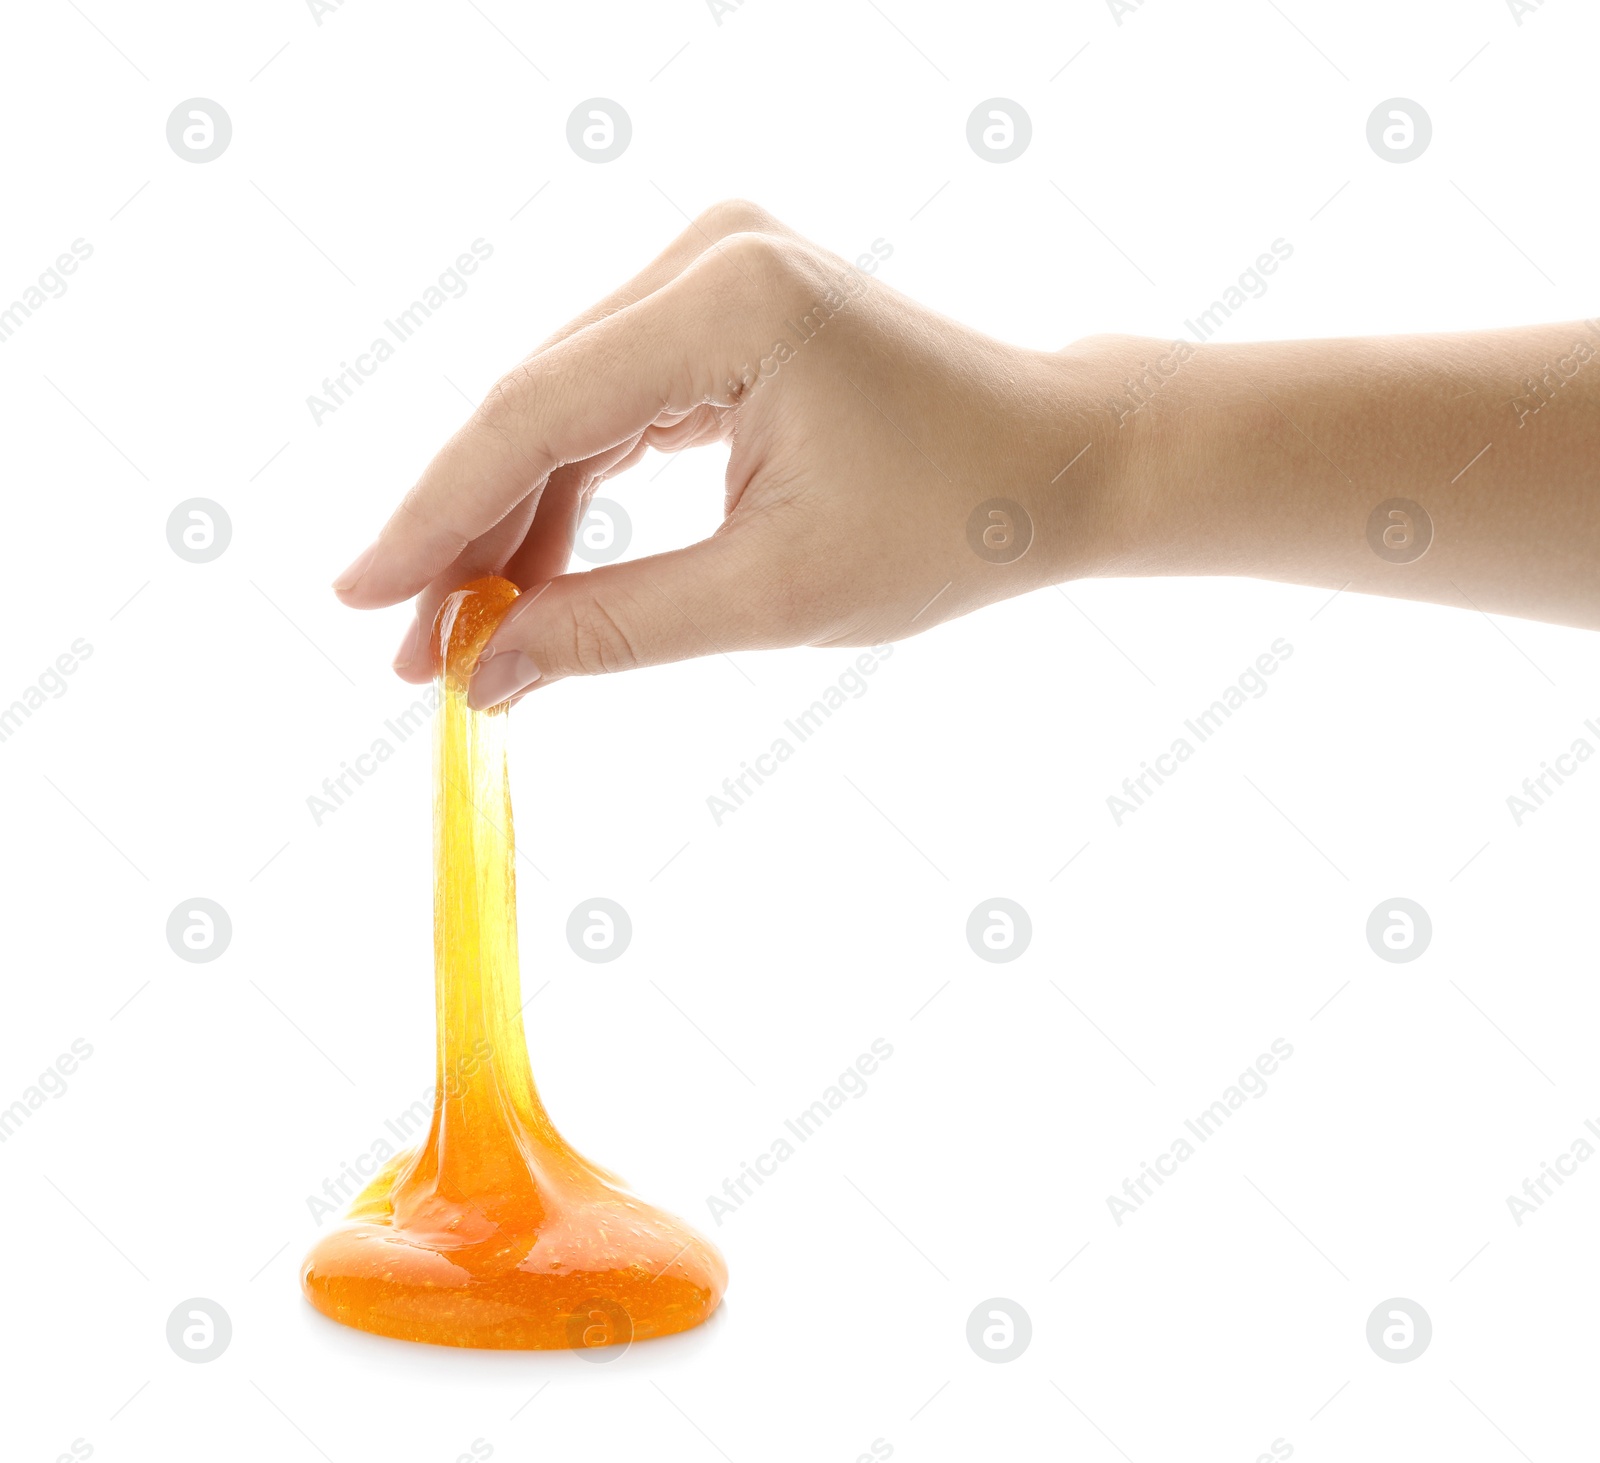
[(863, 444)]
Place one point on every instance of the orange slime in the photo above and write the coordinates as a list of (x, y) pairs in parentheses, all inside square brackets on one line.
[(494, 1232)]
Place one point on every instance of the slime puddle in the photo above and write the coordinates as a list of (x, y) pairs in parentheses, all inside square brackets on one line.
[(495, 1233)]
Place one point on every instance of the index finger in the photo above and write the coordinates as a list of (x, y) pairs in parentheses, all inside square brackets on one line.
[(582, 396)]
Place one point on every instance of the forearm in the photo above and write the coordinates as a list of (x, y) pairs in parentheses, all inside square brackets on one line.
[(1271, 460), (891, 469)]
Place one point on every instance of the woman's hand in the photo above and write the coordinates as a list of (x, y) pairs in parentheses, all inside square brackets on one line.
[(866, 432), (891, 469)]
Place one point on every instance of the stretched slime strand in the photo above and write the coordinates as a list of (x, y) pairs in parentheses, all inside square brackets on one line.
[(496, 1233)]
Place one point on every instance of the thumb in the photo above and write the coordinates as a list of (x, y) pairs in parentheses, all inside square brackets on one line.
[(715, 596)]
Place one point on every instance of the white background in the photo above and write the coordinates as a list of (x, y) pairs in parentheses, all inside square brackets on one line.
[(831, 909)]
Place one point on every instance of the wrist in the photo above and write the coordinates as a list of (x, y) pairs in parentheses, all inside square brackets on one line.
[(1099, 396)]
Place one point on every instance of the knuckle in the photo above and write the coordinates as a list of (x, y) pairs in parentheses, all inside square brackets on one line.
[(765, 269), (761, 255), (735, 216), (415, 510), (504, 413), (503, 403), (597, 642)]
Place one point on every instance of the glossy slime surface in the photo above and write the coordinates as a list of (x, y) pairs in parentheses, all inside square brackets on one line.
[(495, 1233)]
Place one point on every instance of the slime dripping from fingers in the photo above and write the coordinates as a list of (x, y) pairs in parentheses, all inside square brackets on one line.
[(495, 1232)]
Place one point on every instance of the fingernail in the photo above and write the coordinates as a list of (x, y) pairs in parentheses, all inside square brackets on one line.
[(500, 677), (358, 566), (408, 647)]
